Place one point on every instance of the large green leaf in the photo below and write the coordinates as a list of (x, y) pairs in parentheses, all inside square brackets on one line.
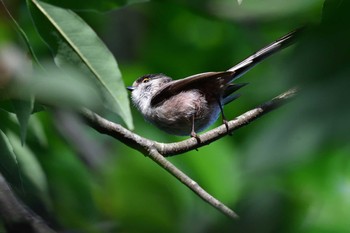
[(75, 43)]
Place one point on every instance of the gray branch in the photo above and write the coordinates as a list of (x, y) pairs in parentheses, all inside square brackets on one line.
[(157, 150), (16, 216), (183, 178)]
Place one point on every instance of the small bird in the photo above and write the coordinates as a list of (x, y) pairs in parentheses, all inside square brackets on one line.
[(190, 105)]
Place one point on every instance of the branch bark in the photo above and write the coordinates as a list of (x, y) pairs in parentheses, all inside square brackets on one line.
[(191, 184), (157, 151), (16, 216)]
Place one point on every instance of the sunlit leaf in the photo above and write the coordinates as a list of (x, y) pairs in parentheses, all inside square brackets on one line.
[(75, 43)]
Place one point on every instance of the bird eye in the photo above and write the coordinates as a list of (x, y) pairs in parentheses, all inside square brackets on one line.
[(145, 80)]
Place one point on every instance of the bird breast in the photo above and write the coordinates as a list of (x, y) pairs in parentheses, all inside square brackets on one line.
[(175, 114)]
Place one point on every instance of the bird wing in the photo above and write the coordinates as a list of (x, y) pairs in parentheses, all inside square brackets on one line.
[(198, 81), (209, 82)]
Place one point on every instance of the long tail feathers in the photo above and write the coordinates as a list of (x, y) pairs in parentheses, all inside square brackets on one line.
[(251, 61)]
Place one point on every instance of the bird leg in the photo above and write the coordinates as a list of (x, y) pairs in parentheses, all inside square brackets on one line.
[(224, 121), (193, 133)]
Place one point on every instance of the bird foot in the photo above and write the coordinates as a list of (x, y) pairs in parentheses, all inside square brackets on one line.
[(195, 135), (226, 124)]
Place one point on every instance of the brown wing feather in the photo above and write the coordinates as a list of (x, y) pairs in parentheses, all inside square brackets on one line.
[(210, 82), (200, 81)]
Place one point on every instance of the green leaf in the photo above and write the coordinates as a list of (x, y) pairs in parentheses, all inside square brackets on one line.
[(23, 109), (22, 33), (36, 128), (92, 4), (29, 165), (6, 123), (57, 87), (75, 43), (9, 163), (63, 88), (7, 105)]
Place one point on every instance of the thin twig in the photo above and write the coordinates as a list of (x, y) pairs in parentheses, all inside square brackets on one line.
[(191, 184), (157, 151)]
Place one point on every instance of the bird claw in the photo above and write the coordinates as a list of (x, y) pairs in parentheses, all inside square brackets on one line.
[(195, 135), (227, 128)]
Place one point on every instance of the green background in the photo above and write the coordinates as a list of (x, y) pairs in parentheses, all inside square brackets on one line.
[(286, 172)]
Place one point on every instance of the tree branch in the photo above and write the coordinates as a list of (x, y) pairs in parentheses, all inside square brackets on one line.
[(16, 216), (157, 150), (168, 149), (183, 178)]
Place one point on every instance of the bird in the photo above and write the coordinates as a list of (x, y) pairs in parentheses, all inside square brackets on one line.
[(190, 105)]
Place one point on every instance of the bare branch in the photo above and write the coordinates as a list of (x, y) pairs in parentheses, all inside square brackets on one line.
[(16, 216), (191, 184), (157, 151), (117, 131)]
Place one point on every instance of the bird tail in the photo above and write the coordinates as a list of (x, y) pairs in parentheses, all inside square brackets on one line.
[(276, 46)]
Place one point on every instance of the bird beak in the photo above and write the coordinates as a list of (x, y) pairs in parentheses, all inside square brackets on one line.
[(131, 88)]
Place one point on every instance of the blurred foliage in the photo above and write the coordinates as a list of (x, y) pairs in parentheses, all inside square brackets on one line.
[(287, 172)]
